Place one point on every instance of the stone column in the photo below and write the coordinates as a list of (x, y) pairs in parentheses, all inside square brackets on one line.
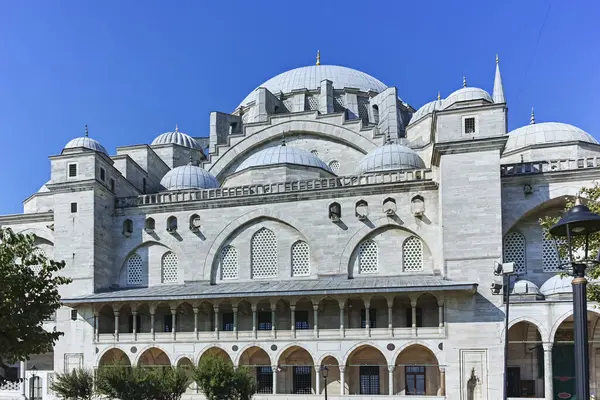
[(548, 375), (316, 320), (391, 369), (441, 315), (152, 315), (342, 380), (273, 320), (173, 323), (293, 318), (196, 310), (274, 368), (96, 326), (116, 325), (134, 315), (317, 380), (216, 309), (390, 304), (342, 326), (367, 318), (22, 368), (235, 322), (442, 381), (413, 304), (254, 332)]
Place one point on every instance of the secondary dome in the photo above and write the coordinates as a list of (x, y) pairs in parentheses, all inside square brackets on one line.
[(176, 137), (86, 142), (525, 287), (557, 285), (188, 177), (310, 78), (546, 132), (467, 94), (389, 157), (425, 110), (283, 155)]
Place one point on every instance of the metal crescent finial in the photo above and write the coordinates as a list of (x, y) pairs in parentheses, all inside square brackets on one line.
[(86, 130), (439, 96), (532, 117), (464, 81), (318, 57), (176, 128)]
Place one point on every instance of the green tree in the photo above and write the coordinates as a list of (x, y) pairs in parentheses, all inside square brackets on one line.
[(28, 296), (218, 380), (77, 385), (590, 196), (142, 383)]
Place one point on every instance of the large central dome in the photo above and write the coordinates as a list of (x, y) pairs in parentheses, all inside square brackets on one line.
[(310, 78)]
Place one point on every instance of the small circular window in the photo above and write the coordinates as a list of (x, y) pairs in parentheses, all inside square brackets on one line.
[(315, 152), (335, 166)]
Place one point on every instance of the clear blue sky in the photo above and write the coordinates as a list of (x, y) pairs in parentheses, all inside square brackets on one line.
[(133, 69)]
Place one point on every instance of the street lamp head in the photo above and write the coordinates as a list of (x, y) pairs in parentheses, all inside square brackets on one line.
[(579, 220), (324, 371)]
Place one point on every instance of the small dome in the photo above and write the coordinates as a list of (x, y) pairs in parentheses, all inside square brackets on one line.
[(389, 157), (546, 132), (188, 177), (557, 285), (283, 155), (467, 94), (426, 110), (86, 142), (44, 188), (176, 137), (525, 287)]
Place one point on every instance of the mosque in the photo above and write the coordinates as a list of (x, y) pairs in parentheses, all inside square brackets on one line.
[(325, 222)]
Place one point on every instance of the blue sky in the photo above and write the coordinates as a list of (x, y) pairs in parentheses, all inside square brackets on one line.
[(133, 69)]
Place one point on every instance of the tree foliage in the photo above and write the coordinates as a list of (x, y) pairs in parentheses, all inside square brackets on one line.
[(142, 383), (218, 380), (77, 385), (590, 196), (27, 297)]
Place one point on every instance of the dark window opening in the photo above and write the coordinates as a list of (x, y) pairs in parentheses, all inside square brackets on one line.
[(73, 315), (228, 321), (138, 323), (112, 185), (264, 380), (102, 174), (302, 320), (264, 321), (35, 388), (376, 114), (169, 322), (409, 317), (469, 125), (415, 381), (369, 379), (302, 380), (72, 170), (73, 207), (372, 318)]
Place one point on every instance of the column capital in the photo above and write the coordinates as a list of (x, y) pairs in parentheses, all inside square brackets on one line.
[(152, 308), (442, 370), (342, 303), (116, 307), (391, 368), (254, 307), (196, 310), (216, 309), (390, 301), (273, 306), (117, 313), (413, 302), (173, 310), (293, 307), (235, 308), (275, 368), (342, 368), (547, 346), (134, 312), (316, 307)]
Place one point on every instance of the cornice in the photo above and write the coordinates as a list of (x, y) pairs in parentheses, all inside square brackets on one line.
[(13, 219), (468, 146)]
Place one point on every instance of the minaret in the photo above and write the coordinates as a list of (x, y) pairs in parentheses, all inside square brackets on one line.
[(498, 94)]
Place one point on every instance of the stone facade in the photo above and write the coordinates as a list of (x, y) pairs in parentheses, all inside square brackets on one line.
[(299, 263)]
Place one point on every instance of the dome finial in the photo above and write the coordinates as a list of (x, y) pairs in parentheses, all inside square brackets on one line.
[(86, 130), (176, 127), (318, 57), (532, 117), (439, 96), (497, 58), (283, 139), (464, 81), (191, 160)]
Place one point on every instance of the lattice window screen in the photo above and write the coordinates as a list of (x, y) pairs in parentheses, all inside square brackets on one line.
[(335, 166), (412, 252), (229, 263), (135, 270), (315, 152), (514, 251), (549, 255), (169, 268), (368, 257), (363, 109), (264, 254), (338, 103), (300, 259), (289, 105), (312, 103), (38, 252), (49, 382)]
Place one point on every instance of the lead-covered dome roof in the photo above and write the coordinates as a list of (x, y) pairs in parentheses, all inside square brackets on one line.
[(86, 142), (557, 285), (177, 137), (466, 94), (283, 155), (310, 78), (189, 177), (425, 110), (524, 286), (389, 157), (544, 133)]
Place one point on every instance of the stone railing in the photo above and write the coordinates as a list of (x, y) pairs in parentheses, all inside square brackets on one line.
[(10, 386), (274, 188), (538, 167)]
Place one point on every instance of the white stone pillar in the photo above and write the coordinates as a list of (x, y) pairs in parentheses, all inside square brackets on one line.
[(196, 311), (391, 369), (367, 318), (173, 323), (134, 315), (317, 380), (274, 368), (342, 380), (316, 320), (413, 304), (293, 318), (22, 386), (342, 311), (254, 331), (548, 375), (116, 325), (273, 320), (390, 303), (96, 326), (216, 309), (441, 315), (235, 322), (442, 381), (152, 315)]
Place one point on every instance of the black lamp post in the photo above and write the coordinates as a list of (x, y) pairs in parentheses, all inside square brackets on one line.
[(325, 373), (579, 221), (32, 382)]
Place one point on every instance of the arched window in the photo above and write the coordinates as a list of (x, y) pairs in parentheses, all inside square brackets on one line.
[(549, 255), (37, 252), (150, 225), (335, 212), (412, 254), (514, 251), (300, 259), (172, 224), (368, 257), (169, 268), (135, 270), (264, 254), (127, 227), (229, 263)]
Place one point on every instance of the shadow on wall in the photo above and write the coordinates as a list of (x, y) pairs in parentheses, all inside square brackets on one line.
[(474, 309)]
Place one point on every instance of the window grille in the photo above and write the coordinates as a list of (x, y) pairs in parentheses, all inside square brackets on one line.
[(514, 251), (315, 153), (469, 125), (37, 252), (227, 322), (35, 388), (334, 166), (312, 103), (300, 259), (73, 315), (73, 207), (169, 268), (415, 380), (363, 109), (372, 318), (289, 105), (549, 255), (302, 379), (229, 263), (264, 321), (369, 379), (368, 257), (72, 170), (264, 380), (409, 317), (302, 320), (49, 382), (338, 103), (264, 254), (134, 270), (412, 252)]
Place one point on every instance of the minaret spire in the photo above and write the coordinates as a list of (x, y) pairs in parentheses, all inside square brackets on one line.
[(532, 118), (498, 94), (318, 57)]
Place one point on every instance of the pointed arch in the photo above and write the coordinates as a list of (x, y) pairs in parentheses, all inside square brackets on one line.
[(300, 258), (153, 356), (263, 254), (514, 250), (412, 254), (169, 268), (113, 356)]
